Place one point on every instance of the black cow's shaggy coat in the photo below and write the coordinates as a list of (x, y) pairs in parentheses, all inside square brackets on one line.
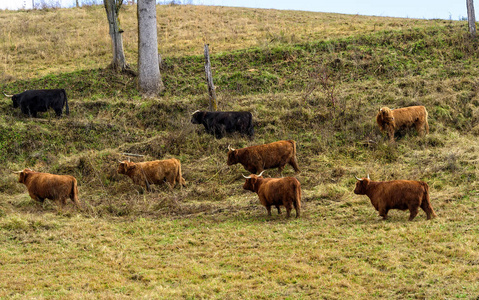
[(33, 101), (218, 123)]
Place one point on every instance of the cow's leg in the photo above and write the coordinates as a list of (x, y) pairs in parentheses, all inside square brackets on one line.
[(294, 164), (279, 209), (268, 208), (413, 212), (288, 207), (58, 112), (426, 206), (383, 212)]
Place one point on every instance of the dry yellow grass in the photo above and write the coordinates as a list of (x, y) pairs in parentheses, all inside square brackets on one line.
[(78, 38)]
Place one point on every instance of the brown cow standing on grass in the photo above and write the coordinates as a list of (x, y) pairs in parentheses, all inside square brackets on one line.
[(396, 194), (276, 191), (153, 172), (43, 186), (392, 120), (255, 159)]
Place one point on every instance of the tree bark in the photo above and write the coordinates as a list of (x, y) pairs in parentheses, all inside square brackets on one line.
[(149, 80), (471, 17), (112, 8), (209, 79)]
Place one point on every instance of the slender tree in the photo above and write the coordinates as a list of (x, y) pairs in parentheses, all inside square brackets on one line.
[(149, 80), (118, 62), (471, 17)]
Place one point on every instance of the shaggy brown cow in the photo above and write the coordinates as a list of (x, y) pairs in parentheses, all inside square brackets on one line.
[(43, 186), (255, 159), (153, 172), (396, 194), (407, 117), (276, 191)]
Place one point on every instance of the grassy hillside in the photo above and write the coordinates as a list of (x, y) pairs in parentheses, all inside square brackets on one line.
[(316, 78)]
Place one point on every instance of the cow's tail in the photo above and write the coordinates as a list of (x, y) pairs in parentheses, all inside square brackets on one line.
[(294, 160), (250, 127), (297, 199), (74, 194), (426, 202), (67, 108), (181, 180)]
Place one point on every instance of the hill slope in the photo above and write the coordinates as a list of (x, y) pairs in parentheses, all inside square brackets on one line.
[(316, 78)]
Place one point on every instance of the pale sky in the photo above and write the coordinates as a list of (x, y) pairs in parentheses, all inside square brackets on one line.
[(421, 9)]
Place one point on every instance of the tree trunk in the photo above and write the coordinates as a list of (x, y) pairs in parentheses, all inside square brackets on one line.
[(112, 8), (149, 81), (471, 17), (209, 80)]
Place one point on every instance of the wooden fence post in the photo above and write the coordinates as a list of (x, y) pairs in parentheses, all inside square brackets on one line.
[(209, 79)]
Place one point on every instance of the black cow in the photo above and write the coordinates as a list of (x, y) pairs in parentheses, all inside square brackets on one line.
[(218, 123), (33, 101)]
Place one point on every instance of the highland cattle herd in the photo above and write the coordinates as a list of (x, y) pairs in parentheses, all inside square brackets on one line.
[(384, 195)]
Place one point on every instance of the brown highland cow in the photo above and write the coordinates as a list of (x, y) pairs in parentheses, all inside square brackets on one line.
[(153, 172), (276, 191), (396, 194), (392, 120), (43, 186)]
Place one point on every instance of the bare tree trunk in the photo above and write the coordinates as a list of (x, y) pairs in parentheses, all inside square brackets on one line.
[(471, 17), (149, 81), (112, 8), (77, 3), (209, 79)]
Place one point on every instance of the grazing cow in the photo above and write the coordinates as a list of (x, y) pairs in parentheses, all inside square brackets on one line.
[(218, 123), (396, 194), (255, 159), (43, 186), (276, 191), (153, 172), (33, 101), (392, 120)]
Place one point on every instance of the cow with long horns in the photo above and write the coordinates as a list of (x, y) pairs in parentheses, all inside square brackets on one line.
[(153, 172), (43, 186), (33, 101), (219, 123), (392, 120), (276, 191), (255, 159), (396, 194)]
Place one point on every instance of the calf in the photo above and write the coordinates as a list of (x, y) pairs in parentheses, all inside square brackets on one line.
[(276, 191), (43, 186), (218, 123), (258, 158), (396, 194), (153, 172), (392, 120)]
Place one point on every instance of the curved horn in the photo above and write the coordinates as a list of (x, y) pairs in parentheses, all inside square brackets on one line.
[(368, 177), (358, 179), (261, 173), (9, 96), (195, 112), (16, 172), (246, 177), (230, 149)]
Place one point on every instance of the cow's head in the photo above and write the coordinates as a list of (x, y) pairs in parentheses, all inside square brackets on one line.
[(125, 166), (361, 185), (24, 174), (197, 117), (232, 156), (386, 115), (14, 99), (251, 181)]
